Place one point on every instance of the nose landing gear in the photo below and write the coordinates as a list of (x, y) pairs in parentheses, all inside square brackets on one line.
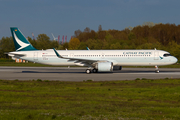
[(156, 69)]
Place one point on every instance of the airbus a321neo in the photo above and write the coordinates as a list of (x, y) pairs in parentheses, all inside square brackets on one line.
[(95, 60)]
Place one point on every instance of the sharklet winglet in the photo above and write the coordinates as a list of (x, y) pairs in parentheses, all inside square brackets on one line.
[(57, 54)]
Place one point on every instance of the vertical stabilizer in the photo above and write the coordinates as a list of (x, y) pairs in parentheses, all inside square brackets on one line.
[(20, 42)]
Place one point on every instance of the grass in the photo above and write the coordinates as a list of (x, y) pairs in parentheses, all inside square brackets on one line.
[(89, 100)]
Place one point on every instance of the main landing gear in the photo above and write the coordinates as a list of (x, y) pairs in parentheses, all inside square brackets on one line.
[(156, 69), (88, 71)]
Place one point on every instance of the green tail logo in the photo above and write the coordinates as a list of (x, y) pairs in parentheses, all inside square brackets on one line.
[(20, 42)]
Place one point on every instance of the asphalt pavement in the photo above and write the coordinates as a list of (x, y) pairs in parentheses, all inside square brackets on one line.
[(79, 74)]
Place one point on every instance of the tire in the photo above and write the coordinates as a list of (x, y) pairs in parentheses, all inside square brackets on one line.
[(88, 71), (157, 71), (94, 70)]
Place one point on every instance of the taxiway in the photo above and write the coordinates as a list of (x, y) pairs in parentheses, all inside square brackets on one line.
[(78, 74)]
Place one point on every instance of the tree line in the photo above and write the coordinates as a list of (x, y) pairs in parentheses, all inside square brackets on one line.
[(147, 36)]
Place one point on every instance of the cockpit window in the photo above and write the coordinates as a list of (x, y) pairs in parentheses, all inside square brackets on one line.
[(167, 54)]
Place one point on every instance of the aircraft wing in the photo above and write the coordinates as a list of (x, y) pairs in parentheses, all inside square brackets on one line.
[(77, 60)]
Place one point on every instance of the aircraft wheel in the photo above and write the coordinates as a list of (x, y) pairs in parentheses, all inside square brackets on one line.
[(88, 71), (95, 70), (157, 71)]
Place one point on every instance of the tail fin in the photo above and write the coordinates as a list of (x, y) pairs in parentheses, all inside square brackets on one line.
[(20, 42)]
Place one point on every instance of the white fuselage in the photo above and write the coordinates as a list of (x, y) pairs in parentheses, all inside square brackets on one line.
[(117, 57)]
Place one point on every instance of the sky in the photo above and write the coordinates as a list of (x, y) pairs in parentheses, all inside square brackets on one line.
[(63, 17)]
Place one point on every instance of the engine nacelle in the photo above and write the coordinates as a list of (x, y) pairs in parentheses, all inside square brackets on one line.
[(104, 67)]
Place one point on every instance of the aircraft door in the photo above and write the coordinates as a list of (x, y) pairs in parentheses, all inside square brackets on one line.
[(145, 55), (35, 56), (156, 55), (71, 55), (126, 55)]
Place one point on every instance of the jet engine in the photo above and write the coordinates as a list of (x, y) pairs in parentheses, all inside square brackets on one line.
[(104, 66)]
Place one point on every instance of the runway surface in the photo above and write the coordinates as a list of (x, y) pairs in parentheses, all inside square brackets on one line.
[(78, 74)]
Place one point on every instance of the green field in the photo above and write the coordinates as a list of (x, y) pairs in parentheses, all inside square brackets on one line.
[(90, 100)]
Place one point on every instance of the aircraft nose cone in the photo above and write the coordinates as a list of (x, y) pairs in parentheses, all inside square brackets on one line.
[(175, 60)]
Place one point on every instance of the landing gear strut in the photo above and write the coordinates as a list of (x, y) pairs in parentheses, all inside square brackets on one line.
[(156, 69)]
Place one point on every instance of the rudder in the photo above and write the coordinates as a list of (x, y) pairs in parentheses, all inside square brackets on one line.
[(20, 42)]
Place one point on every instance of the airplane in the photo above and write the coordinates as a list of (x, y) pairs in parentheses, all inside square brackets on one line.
[(95, 60)]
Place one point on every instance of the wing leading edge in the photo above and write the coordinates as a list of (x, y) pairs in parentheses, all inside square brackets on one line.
[(77, 60)]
